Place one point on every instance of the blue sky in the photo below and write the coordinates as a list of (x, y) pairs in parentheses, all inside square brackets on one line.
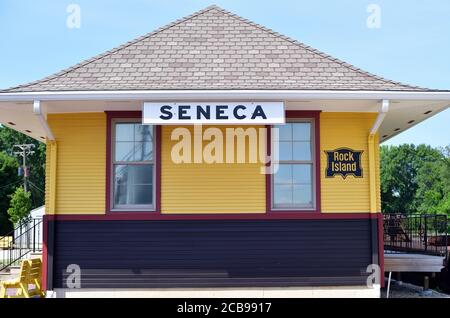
[(412, 45)]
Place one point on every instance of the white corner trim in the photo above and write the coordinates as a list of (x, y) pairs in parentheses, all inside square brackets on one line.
[(38, 112), (381, 115)]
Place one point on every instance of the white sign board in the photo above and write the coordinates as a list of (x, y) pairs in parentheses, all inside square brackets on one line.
[(245, 113)]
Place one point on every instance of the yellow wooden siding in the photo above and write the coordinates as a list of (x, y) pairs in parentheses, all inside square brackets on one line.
[(198, 188), (209, 188), (349, 130), (81, 158), (48, 168), (378, 172)]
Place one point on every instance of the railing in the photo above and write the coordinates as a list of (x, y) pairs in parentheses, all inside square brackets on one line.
[(416, 233), (26, 238)]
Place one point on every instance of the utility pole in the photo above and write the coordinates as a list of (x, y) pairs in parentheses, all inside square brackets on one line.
[(24, 151)]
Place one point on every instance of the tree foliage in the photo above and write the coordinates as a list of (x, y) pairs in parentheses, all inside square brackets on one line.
[(9, 138), (8, 183), (9, 180), (20, 205), (415, 179)]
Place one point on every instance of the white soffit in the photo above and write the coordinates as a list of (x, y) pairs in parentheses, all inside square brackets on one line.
[(403, 115), (400, 114), (20, 117)]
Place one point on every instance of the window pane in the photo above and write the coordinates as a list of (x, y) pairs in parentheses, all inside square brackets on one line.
[(302, 131), (302, 150), (284, 174), (284, 131), (121, 175), (143, 194), (120, 195), (124, 132), (143, 132), (143, 151), (133, 184), (302, 174), (134, 142), (285, 150), (143, 174), (293, 182), (124, 151), (302, 195), (282, 195)]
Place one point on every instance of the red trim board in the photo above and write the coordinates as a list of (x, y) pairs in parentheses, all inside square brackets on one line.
[(230, 216)]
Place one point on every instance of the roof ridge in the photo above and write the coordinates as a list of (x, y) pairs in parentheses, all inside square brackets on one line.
[(118, 48), (311, 49)]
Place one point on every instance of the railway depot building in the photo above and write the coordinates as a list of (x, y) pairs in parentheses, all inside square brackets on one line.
[(214, 157)]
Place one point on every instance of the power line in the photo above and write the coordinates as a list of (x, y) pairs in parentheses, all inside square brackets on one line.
[(35, 186), (7, 185)]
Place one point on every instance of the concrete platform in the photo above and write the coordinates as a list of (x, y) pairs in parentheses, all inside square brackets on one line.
[(284, 292)]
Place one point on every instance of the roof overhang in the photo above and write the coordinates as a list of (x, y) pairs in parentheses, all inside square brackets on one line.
[(225, 94), (408, 108)]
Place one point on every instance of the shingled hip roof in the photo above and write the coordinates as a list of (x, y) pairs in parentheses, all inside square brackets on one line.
[(212, 50)]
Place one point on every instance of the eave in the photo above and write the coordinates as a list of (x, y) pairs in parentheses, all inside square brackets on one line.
[(408, 107)]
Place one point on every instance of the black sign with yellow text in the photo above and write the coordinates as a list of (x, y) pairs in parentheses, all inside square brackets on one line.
[(344, 162)]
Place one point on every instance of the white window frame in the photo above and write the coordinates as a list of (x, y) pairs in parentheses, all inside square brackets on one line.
[(113, 163), (312, 162)]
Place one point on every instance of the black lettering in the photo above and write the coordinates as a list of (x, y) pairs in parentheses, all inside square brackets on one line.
[(235, 113), (220, 110), (165, 110), (206, 113), (182, 111), (259, 112)]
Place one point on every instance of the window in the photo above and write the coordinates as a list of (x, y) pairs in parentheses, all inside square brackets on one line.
[(292, 184), (133, 166)]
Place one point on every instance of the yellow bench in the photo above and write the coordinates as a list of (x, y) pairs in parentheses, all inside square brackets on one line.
[(5, 242), (30, 274)]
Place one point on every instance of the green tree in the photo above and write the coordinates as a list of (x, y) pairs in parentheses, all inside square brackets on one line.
[(8, 183), (20, 205), (9, 138), (415, 179), (398, 175), (433, 178)]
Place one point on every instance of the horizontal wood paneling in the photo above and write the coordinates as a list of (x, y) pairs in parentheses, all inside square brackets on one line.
[(213, 253), (81, 169), (48, 168), (345, 130), (209, 188)]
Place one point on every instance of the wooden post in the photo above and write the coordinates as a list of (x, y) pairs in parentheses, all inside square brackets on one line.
[(398, 279)]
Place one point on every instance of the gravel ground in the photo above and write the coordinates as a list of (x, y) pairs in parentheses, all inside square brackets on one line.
[(406, 290)]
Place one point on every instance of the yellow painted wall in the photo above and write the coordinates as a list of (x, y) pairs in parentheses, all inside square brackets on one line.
[(347, 130), (48, 202), (81, 159), (209, 188), (378, 172), (197, 188)]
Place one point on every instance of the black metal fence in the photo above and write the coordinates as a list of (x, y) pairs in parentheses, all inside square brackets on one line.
[(26, 238), (416, 233)]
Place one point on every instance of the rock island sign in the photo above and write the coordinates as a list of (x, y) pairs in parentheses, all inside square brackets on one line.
[(344, 162)]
